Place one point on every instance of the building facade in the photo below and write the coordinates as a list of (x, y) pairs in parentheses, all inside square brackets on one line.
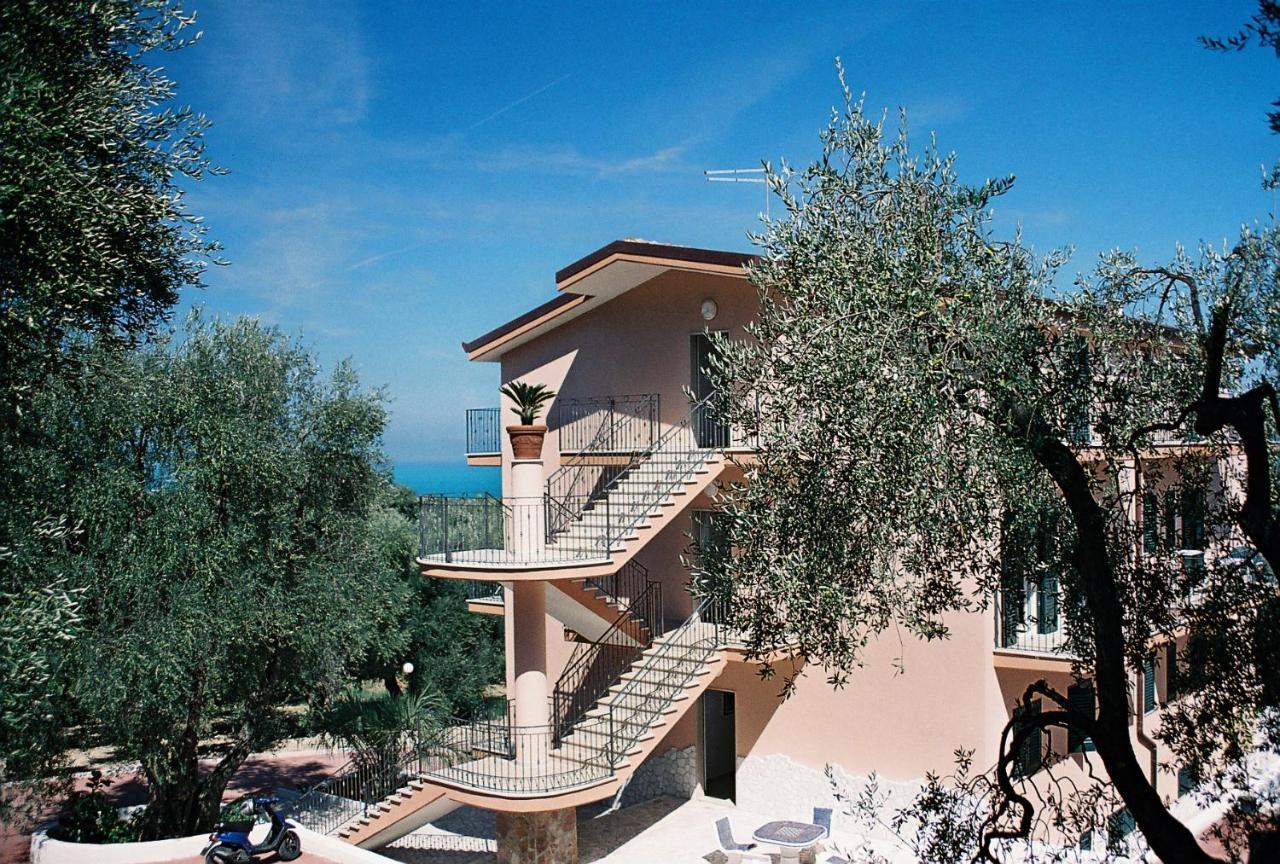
[(624, 685)]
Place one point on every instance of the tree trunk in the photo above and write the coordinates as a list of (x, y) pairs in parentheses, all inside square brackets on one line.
[(393, 686), (1167, 837)]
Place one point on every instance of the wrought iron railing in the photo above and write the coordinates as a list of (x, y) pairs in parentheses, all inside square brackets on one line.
[(484, 431), (496, 756), (596, 666), (490, 531), (358, 786), (574, 488), (623, 586), (481, 591), (630, 423), (1030, 620), (663, 675)]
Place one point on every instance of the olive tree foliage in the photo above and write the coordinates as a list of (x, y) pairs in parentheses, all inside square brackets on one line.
[(1262, 29), (231, 556), (926, 393), (94, 239), (95, 236)]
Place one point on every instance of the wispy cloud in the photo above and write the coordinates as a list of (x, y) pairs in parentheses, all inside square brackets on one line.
[(570, 161), (523, 99), (312, 68)]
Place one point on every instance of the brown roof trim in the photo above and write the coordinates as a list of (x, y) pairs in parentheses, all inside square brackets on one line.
[(655, 250), (534, 314)]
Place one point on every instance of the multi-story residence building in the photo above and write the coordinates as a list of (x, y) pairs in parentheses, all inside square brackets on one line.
[(622, 683)]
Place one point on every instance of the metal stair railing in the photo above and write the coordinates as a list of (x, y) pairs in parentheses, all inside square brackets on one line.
[(356, 788), (623, 585), (671, 664), (573, 489), (597, 666), (668, 462)]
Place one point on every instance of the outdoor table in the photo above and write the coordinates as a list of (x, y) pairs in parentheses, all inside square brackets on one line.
[(789, 837)]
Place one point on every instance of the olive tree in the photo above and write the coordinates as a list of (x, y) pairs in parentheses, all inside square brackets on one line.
[(230, 560), (938, 415)]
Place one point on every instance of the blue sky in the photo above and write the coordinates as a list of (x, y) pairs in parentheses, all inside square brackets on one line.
[(407, 176)]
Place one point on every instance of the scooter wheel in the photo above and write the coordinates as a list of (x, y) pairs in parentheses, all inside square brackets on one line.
[(290, 846), (226, 855)]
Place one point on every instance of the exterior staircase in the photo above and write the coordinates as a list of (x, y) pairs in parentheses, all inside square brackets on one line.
[(596, 513), (496, 765)]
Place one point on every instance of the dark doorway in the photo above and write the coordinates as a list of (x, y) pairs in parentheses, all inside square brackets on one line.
[(708, 431), (719, 744)]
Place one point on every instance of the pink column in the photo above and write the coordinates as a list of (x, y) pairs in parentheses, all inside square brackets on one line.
[(529, 625)]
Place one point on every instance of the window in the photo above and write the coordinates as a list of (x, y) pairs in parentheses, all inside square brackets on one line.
[(1193, 519), (1186, 781), (1029, 758), (1081, 699), (1120, 825), (1047, 604), (1148, 685), (1150, 522)]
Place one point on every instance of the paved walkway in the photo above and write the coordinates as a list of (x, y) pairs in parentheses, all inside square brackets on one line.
[(667, 830)]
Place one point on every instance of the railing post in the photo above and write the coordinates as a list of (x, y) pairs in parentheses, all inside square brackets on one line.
[(444, 528), (422, 528), (487, 538)]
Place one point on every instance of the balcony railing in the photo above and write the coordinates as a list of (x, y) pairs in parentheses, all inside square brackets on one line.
[(484, 427), (496, 756), (607, 424), (488, 531), (1031, 620), (480, 591)]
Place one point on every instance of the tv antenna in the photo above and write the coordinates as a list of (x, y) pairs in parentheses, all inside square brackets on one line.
[(741, 175)]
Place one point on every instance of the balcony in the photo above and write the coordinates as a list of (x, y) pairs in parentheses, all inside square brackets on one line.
[(1030, 626), (606, 424), (483, 532), (484, 441)]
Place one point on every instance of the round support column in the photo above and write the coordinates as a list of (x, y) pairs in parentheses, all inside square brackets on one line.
[(529, 632), (528, 510)]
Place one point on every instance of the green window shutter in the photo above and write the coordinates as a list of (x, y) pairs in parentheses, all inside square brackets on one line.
[(1013, 598), (1029, 759), (1193, 519), (1150, 522), (1171, 671), (1148, 685), (1047, 604), (1081, 699), (1186, 781)]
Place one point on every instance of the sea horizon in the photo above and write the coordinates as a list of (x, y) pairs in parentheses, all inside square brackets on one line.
[(448, 478)]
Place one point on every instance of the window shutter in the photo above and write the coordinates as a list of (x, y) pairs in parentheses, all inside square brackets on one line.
[(1028, 761), (1150, 522), (1193, 519), (1170, 520), (1148, 685), (1047, 604), (1081, 699)]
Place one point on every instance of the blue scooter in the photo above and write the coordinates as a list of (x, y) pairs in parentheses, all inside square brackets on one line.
[(230, 844)]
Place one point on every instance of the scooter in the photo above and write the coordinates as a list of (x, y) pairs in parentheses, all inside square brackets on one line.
[(230, 844)]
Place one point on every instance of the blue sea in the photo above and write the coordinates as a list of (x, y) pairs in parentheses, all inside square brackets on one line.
[(448, 478)]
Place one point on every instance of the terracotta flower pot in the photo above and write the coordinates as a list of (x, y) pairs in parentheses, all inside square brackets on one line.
[(526, 441)]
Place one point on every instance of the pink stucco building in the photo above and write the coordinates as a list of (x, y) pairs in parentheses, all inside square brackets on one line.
[(620, 686)]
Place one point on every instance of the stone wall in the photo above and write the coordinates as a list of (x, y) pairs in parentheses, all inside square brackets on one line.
[(778, 786), (673, 772), (546, 837)]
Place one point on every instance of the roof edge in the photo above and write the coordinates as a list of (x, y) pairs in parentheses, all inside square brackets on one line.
[(537, 312), (689, 254)]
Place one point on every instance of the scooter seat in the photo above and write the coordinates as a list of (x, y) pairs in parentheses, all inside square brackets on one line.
[(233, 827)]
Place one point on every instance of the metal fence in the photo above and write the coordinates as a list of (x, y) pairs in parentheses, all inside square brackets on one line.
[(491, 531), (629, 423), (484, 427)]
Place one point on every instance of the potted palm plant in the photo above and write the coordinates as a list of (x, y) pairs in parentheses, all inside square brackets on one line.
[(526, 439)]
